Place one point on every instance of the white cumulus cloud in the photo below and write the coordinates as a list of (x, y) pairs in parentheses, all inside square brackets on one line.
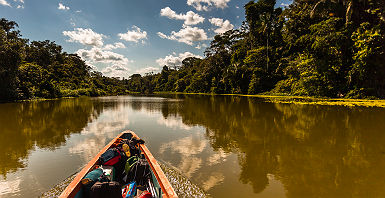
[(205, 5), (134, 35), (116, 71), (161, 35), (118, 64), (97, 54), (174, 60), (117, 45), (4, 3), (85, 37), (186, 35), (223, 25), (146, 70), (63, 7), (190, 18)]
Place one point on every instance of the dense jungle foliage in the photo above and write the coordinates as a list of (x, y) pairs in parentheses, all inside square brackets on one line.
[(332, 48), (39, 69)]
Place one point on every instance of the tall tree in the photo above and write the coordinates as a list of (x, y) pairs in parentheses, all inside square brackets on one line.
[(11, 54)]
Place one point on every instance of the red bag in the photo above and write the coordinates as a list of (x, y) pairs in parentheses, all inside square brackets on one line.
[(110, 157)]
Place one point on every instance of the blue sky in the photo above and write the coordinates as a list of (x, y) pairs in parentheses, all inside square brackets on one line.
[(123, 37)]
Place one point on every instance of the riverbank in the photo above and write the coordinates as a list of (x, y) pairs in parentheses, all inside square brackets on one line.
[(67, 97), (301, 99)]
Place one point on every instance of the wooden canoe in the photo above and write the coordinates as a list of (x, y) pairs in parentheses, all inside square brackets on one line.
[(167, 190)]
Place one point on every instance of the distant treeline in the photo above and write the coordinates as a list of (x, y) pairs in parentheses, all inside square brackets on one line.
[(332, 48), (39, 69)]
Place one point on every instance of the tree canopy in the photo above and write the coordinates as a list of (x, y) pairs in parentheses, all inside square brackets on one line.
[(332, 48), (40, 69), (328, 48)]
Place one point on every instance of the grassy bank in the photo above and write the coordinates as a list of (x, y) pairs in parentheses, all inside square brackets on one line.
[(301, 99)]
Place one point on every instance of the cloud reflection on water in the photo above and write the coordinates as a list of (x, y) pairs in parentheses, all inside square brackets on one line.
[(195, 156), (173, 123), (218, 157), (99, 131), (214, 179), (8, 187), (187, 148)]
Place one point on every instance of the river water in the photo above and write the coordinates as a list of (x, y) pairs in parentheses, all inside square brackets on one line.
[(228, 146)]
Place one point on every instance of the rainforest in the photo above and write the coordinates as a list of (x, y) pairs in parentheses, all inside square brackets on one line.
[(320, 48)]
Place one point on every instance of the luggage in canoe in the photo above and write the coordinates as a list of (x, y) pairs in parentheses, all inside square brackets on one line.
[(123, 168)]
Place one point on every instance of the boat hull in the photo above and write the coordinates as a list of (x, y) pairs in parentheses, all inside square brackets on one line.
[(159, 178)]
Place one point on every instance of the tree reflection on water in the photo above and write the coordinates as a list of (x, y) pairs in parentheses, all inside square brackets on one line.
[(315, 151), (27, 125)]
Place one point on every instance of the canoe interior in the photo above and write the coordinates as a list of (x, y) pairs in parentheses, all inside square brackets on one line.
[(158, 189), (159, 180)]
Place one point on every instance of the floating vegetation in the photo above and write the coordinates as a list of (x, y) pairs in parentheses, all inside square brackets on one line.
[(323, 101), (298, 99), (182, 185), (58, 188)]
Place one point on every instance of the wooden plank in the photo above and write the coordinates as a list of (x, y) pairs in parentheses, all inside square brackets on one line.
[(75, 185), (167, 189)]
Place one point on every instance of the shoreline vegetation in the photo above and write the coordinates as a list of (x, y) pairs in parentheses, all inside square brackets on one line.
[(302, 100), (284, 99), (310, 50)]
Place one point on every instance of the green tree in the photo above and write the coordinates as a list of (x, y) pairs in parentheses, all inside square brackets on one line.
[(11, 54), (367, 72)]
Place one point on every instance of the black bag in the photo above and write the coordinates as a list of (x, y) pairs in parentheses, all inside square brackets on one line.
[(106, 190), (133, 149), (140, 172), (119, 168)]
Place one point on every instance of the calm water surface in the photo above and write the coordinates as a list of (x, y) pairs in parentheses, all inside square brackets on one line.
[(228, 146)]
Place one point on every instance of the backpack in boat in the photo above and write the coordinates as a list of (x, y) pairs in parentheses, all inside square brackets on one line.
[(92, 177), (133, 145), (139, 172), (106, 190), (130, 162), (119, 167), (110, 157)]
